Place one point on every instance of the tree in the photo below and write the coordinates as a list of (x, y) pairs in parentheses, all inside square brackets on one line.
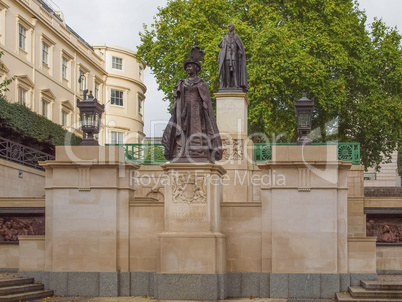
[(318, 46), (4, 84)]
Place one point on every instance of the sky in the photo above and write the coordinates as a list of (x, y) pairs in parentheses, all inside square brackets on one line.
[(119, 23)]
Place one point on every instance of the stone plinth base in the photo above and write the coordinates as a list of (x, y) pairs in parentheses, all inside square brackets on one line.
[(190, 286), (198, 286), (192, 253)]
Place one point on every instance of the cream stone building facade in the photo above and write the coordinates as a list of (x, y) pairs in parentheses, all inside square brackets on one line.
[(48, 58)]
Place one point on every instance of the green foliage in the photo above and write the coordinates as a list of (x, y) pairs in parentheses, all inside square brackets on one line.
[(6, 82), (21, 124), (319, 46), (400, 161)]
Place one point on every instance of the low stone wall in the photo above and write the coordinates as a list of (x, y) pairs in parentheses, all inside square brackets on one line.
[(389, 258), (146, 222), (241, 223), (9, 257), (20, 181)]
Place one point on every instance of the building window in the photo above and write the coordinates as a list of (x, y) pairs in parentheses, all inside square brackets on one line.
[(117, 138), (97, 90), (45, 109), (117, 97), (22, 96), (140, 72), (64, 68), (82, 80), (139, 105), (22, 37), (117, 63), (45, 53), (64, 118)]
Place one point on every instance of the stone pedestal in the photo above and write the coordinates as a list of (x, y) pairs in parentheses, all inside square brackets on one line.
[(231, 116), (192, 249), (231, 113)]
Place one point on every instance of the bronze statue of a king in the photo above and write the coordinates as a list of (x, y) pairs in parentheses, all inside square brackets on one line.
[(232, 63)]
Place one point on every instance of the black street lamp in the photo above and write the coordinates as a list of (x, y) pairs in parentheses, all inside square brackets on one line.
[(90, 115), (304, 112)]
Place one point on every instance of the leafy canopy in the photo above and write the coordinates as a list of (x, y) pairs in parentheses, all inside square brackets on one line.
[(318, 46)]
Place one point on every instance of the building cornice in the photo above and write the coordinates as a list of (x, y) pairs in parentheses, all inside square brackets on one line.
[(56, 32), (119, 49), (142, 85)]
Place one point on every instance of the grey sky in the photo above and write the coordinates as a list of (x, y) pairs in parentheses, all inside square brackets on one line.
[(120, 21)]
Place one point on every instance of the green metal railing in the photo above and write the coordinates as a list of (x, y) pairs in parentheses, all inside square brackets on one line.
[(346, 151), (152, 154), (143, 154)]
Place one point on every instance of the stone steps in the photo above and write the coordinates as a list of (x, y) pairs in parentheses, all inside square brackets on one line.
[(373, 291), (346, 297), (22, 289), (382, 285), (360, 292)]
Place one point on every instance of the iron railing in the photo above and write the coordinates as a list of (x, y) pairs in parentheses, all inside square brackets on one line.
[(143, 154), (152, 154), (21, 154), (345, 151)]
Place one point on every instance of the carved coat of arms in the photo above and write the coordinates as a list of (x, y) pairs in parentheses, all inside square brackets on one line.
[(188, 188), (232, 149)]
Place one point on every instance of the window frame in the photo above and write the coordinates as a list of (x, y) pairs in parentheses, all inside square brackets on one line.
[(96, 90), (22, 37), (45, 53), (22, 96), (117, 65), (64, 68), (45, 108), (117, 100), (83, 84), (139, 100), (64, 118), (116, 137)]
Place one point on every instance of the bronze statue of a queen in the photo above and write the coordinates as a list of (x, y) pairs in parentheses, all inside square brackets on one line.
[(192, 133)]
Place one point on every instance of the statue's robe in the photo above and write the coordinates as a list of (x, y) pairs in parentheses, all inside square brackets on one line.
[(192, 130), (242, 68)]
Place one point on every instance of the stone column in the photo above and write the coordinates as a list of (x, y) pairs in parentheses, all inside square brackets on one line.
[(192, 249)]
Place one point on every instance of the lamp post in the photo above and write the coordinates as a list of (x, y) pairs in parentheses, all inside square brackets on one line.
[(90, 115), (304, 112)]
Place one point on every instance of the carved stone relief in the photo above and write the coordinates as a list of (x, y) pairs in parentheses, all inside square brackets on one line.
[(11, 227), (387, 230), (189, 188), (304, 180), (232, 149), (84, 179), (156, 193)]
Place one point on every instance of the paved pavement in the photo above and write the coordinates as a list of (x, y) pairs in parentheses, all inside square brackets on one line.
[(144, 299)]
